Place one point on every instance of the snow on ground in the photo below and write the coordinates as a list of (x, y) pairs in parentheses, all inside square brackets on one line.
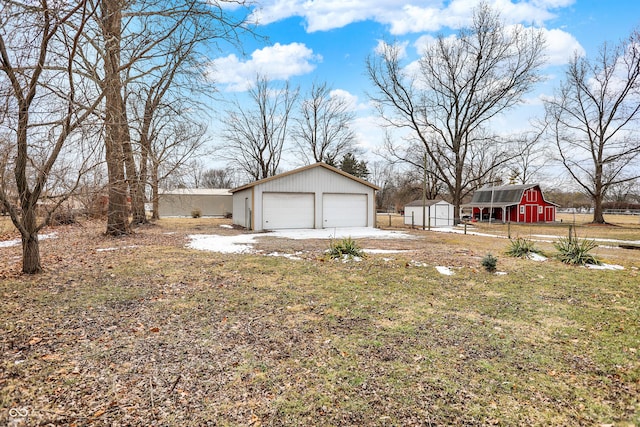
[(238, 244), (544, 237), (243, 243), (116, 249), (536, 257), (225, 226), (384, 251), (295, 257), (604, 267), (444, 270), (16, 242), (340, 233)]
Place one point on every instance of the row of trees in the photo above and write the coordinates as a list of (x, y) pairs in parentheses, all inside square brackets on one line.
[(97, 82), (258, 132), (443, 107)]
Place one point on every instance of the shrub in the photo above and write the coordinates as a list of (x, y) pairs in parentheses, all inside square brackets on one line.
[(196, 213), (63, 217), (575, 251), (522, 248), (345, 248), (489, 262)]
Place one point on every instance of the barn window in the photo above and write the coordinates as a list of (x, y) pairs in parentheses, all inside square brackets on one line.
[(532, 196), (522, 210), (539, 209)]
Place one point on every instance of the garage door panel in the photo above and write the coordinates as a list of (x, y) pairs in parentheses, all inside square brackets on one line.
[(288, 210), (344, 210)]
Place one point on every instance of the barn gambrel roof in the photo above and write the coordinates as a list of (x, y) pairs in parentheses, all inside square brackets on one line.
[(504, 195)]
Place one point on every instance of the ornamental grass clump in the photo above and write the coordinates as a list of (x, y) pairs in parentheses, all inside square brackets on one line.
[(522, 248), (346, 248), (575, 251)]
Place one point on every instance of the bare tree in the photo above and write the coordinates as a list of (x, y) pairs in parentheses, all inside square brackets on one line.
[(256, 133), (593, 120), (531, 157), (177, 141), (462, 83), (44, 106), (217, 178), (147, 47), (322, 131)]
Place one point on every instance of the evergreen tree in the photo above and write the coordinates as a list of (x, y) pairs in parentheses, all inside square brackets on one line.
[(351, 165)]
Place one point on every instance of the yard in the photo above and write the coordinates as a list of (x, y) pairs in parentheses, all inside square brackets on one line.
[(143, 330)]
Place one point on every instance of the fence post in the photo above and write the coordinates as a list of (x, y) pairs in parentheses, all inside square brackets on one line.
[(389, 220), (570, 226), (413, 220), (509, 229)]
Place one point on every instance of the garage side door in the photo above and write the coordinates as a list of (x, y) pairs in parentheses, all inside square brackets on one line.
[(287, 210), (344, 210)]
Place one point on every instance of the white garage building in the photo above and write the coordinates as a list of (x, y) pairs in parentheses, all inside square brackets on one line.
[(314, 196)]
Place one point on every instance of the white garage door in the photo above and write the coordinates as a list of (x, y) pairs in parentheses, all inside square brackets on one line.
[(344, 210), (287, 210)]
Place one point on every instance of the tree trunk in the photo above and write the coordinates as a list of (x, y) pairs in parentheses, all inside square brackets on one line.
[(30, 244), (117, 211), (137, 193), (598, 211), (154, 192)]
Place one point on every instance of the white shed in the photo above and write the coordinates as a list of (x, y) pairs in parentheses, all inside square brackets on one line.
[(182, 201), (439, 213), (314, 196)]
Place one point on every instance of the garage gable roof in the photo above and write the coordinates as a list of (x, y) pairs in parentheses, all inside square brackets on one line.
[(304, 168)]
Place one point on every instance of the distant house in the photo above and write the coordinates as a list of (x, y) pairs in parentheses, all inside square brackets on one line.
[(313, 196), (515, 203), (438, 213), (183, 201)]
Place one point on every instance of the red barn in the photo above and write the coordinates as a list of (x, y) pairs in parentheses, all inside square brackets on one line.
[(515, 203)]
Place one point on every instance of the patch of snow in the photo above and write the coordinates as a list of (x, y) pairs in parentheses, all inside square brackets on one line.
[(243, 243), (340, 233), (536, 257), (604, 267), (225, 226), (444, 270), (16, 242), (115, 249), (294, 257), (383, 251), (238, 244), (418, 264), (501, 273), (9, 243)]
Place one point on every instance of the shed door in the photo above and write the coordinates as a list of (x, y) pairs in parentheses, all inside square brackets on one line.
[(443, 217), (287, 210), (344, 210)]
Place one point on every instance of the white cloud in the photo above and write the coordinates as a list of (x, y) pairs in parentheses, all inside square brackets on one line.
[(401, 48), (406, 17), (561, 46), (352, 100), (277, 62)]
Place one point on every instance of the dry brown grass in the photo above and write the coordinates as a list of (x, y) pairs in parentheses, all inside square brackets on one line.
[(142, 331)]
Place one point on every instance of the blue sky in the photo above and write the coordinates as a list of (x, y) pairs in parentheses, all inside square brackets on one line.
[(329, 41)]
